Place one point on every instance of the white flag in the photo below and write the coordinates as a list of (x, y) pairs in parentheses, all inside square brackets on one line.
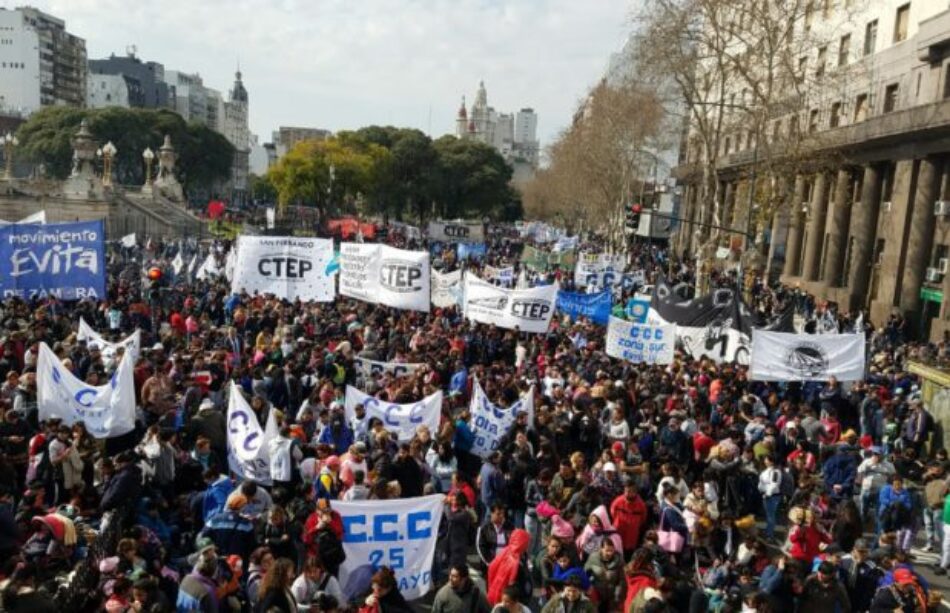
[(400, 534), (131, 343), (785, 356), (178, 263), (446, 288), (209, 268), (248, 445), (193, 265), (128, 240), (106, 410), (491, 422)]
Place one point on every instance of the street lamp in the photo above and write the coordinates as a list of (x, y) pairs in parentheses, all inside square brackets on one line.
[(107, 153), (149, 157), (9, 143)]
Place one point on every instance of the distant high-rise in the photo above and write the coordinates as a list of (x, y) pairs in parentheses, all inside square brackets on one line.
[(41, 64), (514, 136), (142, 83)]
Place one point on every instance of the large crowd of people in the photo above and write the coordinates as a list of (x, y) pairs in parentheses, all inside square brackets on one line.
[(636, 487)]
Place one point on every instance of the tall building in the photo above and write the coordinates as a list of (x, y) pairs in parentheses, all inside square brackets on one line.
[(41, 64), (145, 85), (235, 129), (286, 137), (867, 223), (514, 136)]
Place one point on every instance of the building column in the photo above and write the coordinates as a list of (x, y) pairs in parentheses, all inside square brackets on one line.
[(921, 234), (816, 228), (793, 246), (864, 229), (838, 232)]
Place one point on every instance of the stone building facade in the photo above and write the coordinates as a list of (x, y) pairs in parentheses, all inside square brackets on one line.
[(868, 224)]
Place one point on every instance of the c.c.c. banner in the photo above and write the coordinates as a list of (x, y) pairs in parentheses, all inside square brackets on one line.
[(400, 534)]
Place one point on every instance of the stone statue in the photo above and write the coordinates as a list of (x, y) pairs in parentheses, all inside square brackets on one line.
[(165, 181)]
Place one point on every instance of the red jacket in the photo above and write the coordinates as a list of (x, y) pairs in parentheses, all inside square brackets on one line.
[(629, 517), (806, 541), (636, 583)]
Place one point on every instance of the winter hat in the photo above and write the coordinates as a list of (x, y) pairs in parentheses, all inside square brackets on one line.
[(561, 528)]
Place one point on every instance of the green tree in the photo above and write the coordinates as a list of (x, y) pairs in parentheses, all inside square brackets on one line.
[(474, 181), (262, 189), (204, 156)]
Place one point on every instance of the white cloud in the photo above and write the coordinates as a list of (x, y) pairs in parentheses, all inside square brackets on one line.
[(343, 64)]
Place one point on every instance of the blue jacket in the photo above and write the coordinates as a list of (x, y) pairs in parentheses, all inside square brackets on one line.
[(341, 443), (888, 497), (840, 469), (464, 437), (216, 496), (232, 534)]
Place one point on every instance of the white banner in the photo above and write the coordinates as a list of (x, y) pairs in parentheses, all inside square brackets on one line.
[(288, 267), (400, 534), (719, 343), (599, 269), (784, 356), (208, 269), (490, 422), (131, 343), (128, 240), (505, 275), (385, 275), (107, 410), (358, 271), (403, 419), (446, 288), (640, 343), (403, 278), (456, 232), (248, 444), (38, 217), (529, 310), (397, 369)]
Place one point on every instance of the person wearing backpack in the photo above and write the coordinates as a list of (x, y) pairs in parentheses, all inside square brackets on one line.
[(311, 581)]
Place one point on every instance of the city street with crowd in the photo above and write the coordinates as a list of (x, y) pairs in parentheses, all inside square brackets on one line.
[(607, 485)]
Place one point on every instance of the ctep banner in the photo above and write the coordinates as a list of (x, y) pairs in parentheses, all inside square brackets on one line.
[(528, 310), (400, 534), (456, 231), (640, 343), (288, 267), (385, 275), (400, 418), (106, 410), (248, 445), (66, 260)]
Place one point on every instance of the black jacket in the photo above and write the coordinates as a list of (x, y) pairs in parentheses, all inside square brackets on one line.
[(124, 487)]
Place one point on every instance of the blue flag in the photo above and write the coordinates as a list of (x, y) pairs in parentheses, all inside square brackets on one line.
[(595, 307)]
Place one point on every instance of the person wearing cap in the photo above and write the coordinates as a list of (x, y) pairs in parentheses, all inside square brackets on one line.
[(873, 473), (607, 482), (823, 592), (125, 485), (231, 532), (903, 594)]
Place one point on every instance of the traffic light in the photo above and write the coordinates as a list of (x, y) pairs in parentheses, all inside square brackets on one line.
[(633, 216)]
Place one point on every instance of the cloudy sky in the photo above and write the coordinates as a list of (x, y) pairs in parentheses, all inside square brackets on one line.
[(341, 64)]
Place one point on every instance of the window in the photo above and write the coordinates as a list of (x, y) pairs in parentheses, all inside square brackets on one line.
[(727, 145), (820, 68), (870, 37), (812, 121), (793, 126), (802, 65), (860, 108), (844, 48), (946, 81), (901, 21), (890, 97), (835, 120)]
